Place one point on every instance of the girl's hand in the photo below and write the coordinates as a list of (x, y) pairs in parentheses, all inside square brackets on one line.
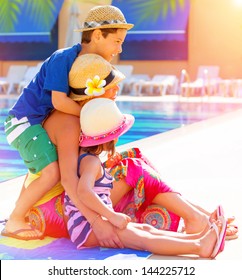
[(106, 234), (119, 220)]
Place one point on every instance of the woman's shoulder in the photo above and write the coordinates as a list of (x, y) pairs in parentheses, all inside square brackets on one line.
[(63, 123), (66, 119)]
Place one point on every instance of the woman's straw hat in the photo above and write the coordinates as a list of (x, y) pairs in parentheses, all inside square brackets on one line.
[(101, 122), (91, 75), (106, 16)]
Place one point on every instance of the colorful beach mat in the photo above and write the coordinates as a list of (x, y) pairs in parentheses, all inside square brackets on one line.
[(60, 249)]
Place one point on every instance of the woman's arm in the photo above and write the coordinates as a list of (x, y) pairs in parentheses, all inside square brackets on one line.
[(64, 131)]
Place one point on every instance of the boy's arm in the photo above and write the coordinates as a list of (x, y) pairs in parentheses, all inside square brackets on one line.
[(65, 104)]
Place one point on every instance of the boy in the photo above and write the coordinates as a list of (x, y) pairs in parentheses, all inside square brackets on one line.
[(104, 32)]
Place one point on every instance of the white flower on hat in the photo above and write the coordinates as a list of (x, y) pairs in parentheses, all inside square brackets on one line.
[(95, 86)]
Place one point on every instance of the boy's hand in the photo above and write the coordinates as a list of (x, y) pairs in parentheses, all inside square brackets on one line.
[(65, 104)]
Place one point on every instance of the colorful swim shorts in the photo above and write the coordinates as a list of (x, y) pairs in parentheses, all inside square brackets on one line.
[(32, 142)]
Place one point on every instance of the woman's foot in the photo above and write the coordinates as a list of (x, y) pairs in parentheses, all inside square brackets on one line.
[(211, 244), (196, 224), (231, 230), (203, 222)]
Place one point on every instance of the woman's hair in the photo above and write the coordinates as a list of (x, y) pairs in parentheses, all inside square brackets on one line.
[(98, 149), (83, 102), (87, 35)]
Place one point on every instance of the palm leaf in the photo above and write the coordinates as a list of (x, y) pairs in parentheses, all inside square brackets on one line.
[(9, 11), (152, 9), (41, 12)]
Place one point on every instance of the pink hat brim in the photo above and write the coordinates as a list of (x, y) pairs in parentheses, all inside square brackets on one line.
[(129, 121)]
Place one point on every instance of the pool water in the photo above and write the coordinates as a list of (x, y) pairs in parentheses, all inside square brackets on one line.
[(156, 117), (150, 118)]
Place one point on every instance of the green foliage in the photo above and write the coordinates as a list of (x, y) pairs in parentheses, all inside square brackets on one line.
[(9, 11), (41, 12), (152, 9)]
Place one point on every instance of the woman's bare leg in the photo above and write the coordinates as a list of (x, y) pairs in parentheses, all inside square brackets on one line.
[(162, 243), (195, 217), (154, 231), (229, 219), (194, 220), (120, 188)]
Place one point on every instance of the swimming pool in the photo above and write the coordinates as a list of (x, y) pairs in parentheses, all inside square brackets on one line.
[(150, 118), (156, 117)]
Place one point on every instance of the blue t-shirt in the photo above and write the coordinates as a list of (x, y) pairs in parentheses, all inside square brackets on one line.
[(35, 100)]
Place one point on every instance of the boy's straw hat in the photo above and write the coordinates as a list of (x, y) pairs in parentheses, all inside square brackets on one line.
[(91, 75), (106, 16), (101, 122)]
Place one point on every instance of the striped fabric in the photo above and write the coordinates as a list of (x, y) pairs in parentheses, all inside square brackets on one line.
[(78, 227), (15, 127)]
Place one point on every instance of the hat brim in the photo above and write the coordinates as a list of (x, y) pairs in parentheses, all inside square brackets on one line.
[(118, 77), (129, 121), (127, 26)]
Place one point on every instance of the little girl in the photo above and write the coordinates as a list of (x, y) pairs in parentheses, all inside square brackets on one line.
[(101, 124)]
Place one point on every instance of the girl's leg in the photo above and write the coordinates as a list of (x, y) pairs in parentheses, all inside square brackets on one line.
[(49, 178)]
